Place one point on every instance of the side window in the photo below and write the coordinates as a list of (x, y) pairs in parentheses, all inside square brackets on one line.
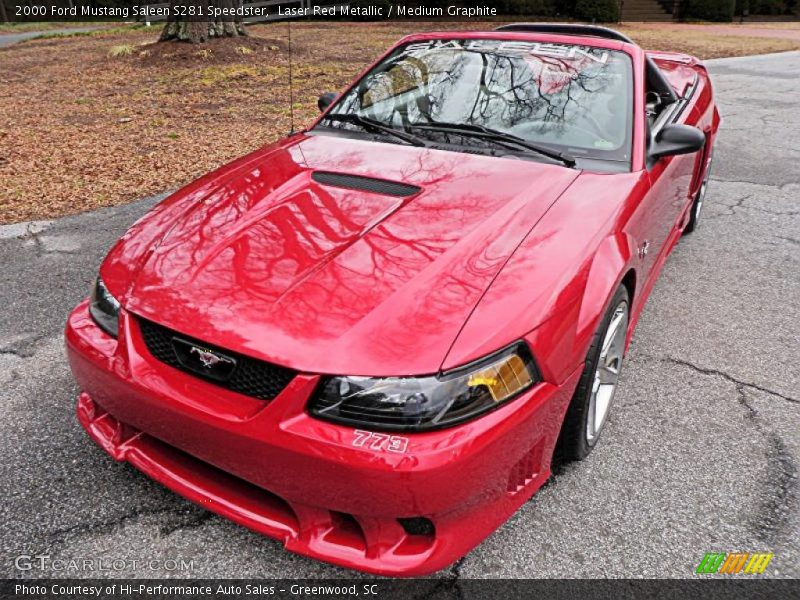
[(658, 93)]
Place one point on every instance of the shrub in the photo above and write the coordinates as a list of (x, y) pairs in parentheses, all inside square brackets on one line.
[(708, 10), (604, 11), (537, 8), (766, 7), (121, 50)]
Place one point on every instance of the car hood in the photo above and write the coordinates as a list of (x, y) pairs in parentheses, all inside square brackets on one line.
[(340, 275)]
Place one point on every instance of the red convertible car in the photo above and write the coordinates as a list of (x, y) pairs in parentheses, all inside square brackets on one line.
[(370, 339)]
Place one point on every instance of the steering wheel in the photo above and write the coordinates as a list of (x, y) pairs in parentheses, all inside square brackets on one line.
[(652, 101)]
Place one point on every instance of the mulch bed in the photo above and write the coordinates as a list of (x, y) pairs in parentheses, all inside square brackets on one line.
[(81, 129)]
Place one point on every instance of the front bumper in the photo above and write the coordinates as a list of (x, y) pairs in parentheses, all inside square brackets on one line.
[(271, 467)]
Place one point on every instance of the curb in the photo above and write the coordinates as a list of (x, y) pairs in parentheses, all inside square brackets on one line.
[(25, 229), (751, 57)]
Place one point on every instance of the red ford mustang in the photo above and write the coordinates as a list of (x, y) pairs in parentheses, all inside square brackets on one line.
[(370, 339)]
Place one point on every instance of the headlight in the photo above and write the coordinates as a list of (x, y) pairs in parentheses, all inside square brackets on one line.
[(104, 308), (425, 403)]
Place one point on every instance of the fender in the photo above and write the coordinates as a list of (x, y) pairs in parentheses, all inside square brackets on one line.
[(125, 259), (612, 261)]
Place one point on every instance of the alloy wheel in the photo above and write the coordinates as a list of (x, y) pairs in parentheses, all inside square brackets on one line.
[(606, 375), (701, 194)]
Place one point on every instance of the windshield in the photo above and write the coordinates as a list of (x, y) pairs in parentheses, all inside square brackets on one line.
[(576, 99)]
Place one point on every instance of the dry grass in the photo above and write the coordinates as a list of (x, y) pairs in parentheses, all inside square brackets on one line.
[(81, 130), (795, 25), (120, 50), (705, 43)]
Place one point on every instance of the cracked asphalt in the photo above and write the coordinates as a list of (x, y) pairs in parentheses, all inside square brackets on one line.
[(701, 452)]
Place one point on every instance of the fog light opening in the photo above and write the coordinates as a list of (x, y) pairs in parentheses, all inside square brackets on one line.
[(346, 531), (418, 526)]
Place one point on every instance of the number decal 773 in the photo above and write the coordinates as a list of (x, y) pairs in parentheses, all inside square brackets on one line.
[(381, 442)]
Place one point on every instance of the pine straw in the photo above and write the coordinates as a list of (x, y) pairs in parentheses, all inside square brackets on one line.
[(80, 129)]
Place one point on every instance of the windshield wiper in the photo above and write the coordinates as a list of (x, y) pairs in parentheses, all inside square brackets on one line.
[(376, 127), (479, 131)]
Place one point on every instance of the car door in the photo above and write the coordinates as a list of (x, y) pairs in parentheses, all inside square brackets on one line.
[(658, 218)]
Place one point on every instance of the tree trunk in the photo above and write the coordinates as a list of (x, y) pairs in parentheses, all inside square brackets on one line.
[(3, 14), (199, 29)]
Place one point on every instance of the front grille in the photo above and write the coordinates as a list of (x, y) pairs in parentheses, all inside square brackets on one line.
[(251, 377)]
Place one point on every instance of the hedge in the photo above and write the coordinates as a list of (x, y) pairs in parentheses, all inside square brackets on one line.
[(528, 7), (708, 10), (604, 11), (767, 7)]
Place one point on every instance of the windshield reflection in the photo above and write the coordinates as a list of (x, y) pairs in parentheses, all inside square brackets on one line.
[(572, 98)]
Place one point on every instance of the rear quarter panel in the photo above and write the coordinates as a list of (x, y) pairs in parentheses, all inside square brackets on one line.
[(684, 72)]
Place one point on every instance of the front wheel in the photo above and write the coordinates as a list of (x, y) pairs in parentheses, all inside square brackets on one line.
[(697, 205), (588, 412)]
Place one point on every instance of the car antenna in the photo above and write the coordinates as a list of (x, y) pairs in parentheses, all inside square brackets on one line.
[(291, 82)]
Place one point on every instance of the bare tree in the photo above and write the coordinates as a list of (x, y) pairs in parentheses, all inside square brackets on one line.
[(197, 21)]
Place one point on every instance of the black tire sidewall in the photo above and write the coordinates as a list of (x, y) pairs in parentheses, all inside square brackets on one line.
[(573, 443)]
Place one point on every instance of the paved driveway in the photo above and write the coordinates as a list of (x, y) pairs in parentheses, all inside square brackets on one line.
[(700, 454), (13, 38), (783, 31)]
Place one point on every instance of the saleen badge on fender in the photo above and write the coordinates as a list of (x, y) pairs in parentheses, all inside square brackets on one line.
[(369, 339)]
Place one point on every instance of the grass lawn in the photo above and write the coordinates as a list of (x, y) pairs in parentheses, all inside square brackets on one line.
[(102, 119)]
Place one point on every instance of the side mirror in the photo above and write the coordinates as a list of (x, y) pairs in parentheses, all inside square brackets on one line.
[(325, 100), (676, 139)]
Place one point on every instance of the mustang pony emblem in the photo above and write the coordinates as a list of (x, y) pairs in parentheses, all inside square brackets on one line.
[(208, 358), (203, 361)]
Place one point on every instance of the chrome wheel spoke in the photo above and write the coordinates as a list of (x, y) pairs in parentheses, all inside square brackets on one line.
[(611, 332), (607, 375), (701, 195), (700, 198), (602, 404), (592, 413)]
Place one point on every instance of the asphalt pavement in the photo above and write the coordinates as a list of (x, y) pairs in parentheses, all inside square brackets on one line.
[(701, 452), (14, 38)]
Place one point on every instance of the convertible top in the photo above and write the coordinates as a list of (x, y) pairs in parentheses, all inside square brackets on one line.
[(568, 29)]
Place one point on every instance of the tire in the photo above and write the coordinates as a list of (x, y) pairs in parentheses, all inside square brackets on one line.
[(575, 441), (699, 199)]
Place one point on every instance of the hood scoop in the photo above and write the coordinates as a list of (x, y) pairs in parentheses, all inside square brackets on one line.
[(366, 184)]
